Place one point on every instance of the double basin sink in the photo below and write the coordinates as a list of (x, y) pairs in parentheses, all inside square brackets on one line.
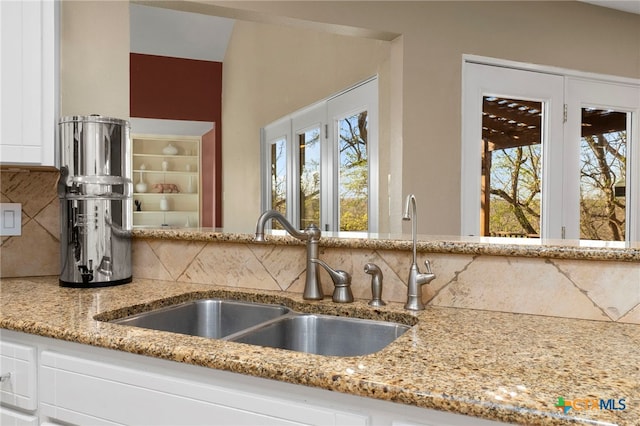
[(269, 325)]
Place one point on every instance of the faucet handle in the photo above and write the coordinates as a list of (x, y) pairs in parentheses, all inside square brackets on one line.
[(427, 265), (341, 281)]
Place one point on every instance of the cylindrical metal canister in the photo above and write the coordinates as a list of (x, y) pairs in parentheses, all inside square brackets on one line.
[(95, 190)]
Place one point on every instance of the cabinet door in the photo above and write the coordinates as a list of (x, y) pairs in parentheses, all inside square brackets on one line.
[(27, 82), (18, 366), (134, 396)]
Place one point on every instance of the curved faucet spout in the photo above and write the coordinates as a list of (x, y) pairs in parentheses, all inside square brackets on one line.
[(416, 279), (311, 235), (276, 215), (411, 202)]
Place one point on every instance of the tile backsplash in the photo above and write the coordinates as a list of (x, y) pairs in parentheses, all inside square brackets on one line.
[(589, 289), (36, 251)]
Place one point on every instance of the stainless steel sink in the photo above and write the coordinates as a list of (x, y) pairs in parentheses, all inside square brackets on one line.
[(270, 325), (215, 318), (325, 335)]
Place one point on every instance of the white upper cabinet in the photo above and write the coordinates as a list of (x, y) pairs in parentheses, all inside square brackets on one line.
[(28, 70)]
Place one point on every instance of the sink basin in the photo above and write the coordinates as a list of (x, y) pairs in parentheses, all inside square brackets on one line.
[(325, 335), (274, 326), (214, 318)]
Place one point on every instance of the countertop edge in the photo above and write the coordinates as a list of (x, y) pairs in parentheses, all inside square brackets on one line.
[(426, 244)]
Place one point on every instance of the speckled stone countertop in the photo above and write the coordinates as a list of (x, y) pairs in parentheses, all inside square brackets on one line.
[(500, 366), (525, 247)]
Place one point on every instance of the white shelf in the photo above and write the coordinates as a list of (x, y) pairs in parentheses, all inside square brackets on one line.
[(142, 194), (184, 206), (193, 157), (164, 211), (191, 172)]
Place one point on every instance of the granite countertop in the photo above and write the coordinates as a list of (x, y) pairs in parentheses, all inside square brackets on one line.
[(525, 247), (501, 366)]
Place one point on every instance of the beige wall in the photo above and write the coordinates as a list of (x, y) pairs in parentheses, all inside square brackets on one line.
[(94, 58), (425, 74), (435, 35), (271, 71)]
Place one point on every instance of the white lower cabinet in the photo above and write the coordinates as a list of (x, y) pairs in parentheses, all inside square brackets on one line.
[(84, 385), (74, 387), (18, 385)]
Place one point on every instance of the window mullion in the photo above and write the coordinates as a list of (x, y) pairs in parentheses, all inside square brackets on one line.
[(293, 177), (329, 211)]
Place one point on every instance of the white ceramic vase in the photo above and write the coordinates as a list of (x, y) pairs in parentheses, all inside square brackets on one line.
[(142, 185), (170, 150), (164, 203), (191, 187)]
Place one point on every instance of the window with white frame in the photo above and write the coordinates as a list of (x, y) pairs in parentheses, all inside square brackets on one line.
[(320, 163), (549, 153)]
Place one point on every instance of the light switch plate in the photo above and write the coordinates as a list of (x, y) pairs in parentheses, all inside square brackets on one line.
[(10, 219)]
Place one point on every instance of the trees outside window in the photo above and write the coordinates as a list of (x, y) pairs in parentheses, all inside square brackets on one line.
[(556, 155), (329, 151)]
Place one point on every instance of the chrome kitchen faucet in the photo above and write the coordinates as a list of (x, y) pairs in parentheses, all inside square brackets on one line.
[(416, 279), (312, 287)]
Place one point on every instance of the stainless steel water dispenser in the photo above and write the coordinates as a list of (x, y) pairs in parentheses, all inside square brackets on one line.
[(95, 191)]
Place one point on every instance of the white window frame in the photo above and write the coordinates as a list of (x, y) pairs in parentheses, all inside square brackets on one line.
[(482, 80), (324, 114), (302, 121), (560, 192), (582, 93), (363, 97), (278, 130)]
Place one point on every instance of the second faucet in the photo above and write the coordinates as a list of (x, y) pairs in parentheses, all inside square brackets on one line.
[(416, 279)]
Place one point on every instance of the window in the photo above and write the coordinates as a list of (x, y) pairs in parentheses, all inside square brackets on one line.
[(602, 145), (320, 163), (511, 167), (555, 154)]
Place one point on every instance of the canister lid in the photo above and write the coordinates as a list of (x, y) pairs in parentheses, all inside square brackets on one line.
[(93, 118)]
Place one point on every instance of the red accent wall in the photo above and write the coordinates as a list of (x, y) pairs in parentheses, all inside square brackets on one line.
[(175, 88), (183, 89)]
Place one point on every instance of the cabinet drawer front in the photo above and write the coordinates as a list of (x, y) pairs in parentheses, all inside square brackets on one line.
[(13, 418), (128, 396), (18, 366), (54, 416)]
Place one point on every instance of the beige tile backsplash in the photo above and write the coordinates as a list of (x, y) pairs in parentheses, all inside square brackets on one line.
[(595, 290), (36, 251)]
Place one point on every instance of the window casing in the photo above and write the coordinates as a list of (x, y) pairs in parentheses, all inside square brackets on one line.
[(565, 96), (331, 162)]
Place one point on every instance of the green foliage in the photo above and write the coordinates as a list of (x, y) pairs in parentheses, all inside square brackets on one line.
[(354, 173), (353, 215)]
